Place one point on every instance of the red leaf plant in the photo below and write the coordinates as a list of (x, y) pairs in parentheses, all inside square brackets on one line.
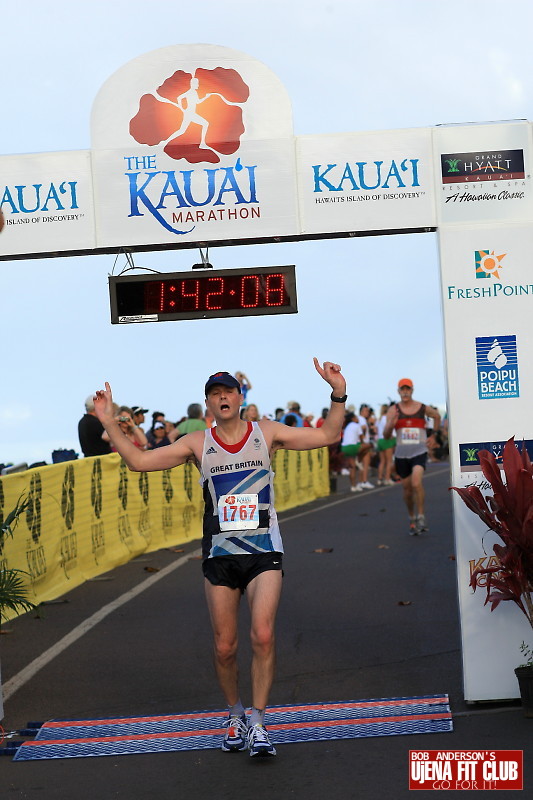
[(509, 513)]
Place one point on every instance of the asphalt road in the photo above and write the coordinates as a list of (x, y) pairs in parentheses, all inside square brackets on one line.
[(375, 616)]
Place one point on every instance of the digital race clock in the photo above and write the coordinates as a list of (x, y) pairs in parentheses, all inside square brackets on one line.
[(203, 294)]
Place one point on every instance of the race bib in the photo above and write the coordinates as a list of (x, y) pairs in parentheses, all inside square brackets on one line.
[(410, 435), (238, 512)]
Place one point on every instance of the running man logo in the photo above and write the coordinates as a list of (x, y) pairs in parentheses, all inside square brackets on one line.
[(488, 264), (197, 117)]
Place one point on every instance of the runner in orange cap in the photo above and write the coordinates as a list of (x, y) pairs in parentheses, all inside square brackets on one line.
[(408, 418)]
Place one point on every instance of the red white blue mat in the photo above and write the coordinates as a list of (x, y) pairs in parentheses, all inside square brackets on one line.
[(204, 730)]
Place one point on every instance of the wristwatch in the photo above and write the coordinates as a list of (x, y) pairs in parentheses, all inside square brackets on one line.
[(338, 399)]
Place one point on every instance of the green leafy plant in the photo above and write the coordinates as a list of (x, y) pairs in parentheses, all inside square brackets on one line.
[(13, 591), (509, 513), (527, 652)]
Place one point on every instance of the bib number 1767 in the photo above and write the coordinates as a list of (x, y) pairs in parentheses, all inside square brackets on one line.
[(238, 512)]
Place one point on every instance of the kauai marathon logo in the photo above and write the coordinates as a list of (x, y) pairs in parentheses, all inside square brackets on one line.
[(477, 169), (354, 181), (487, 266), (193, 118)]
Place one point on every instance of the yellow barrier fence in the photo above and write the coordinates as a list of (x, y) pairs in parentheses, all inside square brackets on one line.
[(86, 517)]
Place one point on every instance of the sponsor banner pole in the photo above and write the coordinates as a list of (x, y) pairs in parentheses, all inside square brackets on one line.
[(484, 208), (487, 296)]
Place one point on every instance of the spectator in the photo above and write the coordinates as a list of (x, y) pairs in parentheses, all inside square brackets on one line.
[(351, 447), (322, 417), (290, 420), (365, 454), (160, 435), (385, 449), (157, 416), (128, 428), (193, 422), (294, 409), (90, 431), (138, 415), (251, 413), (244, 384)]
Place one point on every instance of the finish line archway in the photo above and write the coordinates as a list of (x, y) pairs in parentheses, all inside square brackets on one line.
[(193, 146)]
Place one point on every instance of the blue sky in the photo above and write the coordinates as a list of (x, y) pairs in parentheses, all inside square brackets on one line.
[(372, 304)]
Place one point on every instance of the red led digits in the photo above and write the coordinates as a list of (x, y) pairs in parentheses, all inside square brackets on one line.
[(275, 295), (218, 294), (249, 291), (185, 306)]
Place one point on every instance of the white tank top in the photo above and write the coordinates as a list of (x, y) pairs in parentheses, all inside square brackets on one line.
[(238, 487)]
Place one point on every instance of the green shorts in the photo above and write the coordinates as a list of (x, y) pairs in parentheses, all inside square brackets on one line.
[(350, 450), (386, 444)]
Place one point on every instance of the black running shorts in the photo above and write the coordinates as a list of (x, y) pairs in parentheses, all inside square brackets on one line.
[(237, 571), (404, 466)]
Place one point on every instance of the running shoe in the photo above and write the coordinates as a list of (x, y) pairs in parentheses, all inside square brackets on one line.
[(258, 742), (367, 485), (421, 523), (235, 736), (357, 488), (413, 527)]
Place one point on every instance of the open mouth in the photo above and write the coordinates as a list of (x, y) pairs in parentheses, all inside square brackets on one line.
[(224, 407)]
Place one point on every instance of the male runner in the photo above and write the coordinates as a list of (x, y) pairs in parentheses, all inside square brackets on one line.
[(408, 418), (242, 547)]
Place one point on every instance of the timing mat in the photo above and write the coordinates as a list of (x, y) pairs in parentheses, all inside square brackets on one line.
[(203, 730)]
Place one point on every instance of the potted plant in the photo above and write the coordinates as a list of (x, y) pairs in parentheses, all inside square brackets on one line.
[(13, 590), (524, 674), (509, 513)]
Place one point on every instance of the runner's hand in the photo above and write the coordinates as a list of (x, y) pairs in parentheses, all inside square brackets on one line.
[(103, 404), (331, 373)]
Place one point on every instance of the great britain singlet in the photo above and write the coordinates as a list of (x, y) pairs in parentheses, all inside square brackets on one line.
[(238, 487), (411, 433)]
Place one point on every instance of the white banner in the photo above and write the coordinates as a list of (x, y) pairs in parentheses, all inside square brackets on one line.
[(382, 180), (483, 172), (193, 144), (47, 203), (487, 292)]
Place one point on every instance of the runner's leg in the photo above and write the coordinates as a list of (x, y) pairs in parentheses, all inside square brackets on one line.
[(263, 598), (418, 488), (408, 495), (223, 605)]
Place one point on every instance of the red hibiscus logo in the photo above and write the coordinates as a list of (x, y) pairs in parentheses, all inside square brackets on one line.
[(230, 500), (196, 116)]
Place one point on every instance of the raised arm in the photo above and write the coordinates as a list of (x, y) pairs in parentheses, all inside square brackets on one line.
[(143, 460), (283, 436)]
